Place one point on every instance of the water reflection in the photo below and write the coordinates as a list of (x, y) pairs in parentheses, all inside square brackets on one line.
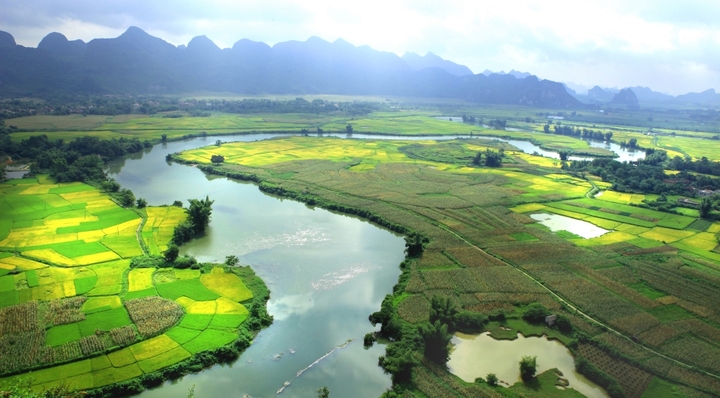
[(326, 273), (557, 222), (477, 355)]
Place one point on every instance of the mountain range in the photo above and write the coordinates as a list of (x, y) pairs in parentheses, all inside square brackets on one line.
[(138, 63)]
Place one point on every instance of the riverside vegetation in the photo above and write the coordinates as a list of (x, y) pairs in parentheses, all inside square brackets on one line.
[(636, 305), (639, 283)]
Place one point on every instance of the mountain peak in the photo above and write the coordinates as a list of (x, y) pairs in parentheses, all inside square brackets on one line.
[(133, 32), (202, 43), (625, 97), (6, 39)]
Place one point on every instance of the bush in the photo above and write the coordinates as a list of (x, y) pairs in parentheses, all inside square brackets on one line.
[(528, 367), (469, 321), (492, 379), (535, 312), (172, 252), (184, 261), (369, 339)]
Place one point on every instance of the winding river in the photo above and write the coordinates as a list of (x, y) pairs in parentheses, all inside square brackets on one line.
[(327, 272)]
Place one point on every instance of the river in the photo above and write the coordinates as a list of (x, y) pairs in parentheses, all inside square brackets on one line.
[(326, 272)]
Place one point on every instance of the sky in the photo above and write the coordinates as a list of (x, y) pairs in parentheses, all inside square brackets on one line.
[(669, 46)]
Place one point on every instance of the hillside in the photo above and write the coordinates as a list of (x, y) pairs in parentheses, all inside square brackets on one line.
[(138, 63)]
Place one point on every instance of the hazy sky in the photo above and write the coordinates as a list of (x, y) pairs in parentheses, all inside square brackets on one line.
[(668, 45)]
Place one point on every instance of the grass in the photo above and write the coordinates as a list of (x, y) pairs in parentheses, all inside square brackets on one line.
[(164, 359), (104, 320), (140, 279), (182, 335), (209, 339), (191, 288), (647, 291), (59, 335), (543, 385), (226, 285), (153, 347), (121, 358), (659, 388), (669, 313)]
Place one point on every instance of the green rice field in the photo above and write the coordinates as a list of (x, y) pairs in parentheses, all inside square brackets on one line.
[(82, 317)]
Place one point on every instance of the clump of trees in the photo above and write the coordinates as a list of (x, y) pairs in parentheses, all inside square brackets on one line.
[(490, 159), (528, 367), (199, 213), (217, 159)]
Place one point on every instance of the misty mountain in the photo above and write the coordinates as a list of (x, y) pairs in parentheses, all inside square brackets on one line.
[(138, 63), (706, 97), (599, 94), (625, 97), (431, 60), (513, 72), (646, 95)]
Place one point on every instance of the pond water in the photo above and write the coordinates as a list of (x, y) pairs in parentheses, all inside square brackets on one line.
[(477, 355), (557, 222), (326, 272)]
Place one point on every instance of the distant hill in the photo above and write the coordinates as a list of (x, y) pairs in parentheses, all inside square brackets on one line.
[(599, 94), (625, 97), (138, 63), (431, 60), (705, 97), (513, 72)]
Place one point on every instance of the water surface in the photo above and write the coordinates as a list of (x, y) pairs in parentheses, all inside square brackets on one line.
[(326, 272), (475, 356), (557, 222)]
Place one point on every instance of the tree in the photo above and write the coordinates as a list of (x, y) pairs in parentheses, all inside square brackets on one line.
[(414, 244), (492, 379), (323, 392), (183, 232), (437, 339), (217, 158), (178, 203), (141, 203), (231, 260), (608, 136), (528, 367), (705, 207), (199, 213), (477, 159), (218, 143), (564, 155), (349, 128), (535, 312), (110, 185), (172, 253), (442, 309), (163, 138), (126, 197)]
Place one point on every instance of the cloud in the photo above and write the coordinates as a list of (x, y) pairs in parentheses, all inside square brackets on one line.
[(667, 45)]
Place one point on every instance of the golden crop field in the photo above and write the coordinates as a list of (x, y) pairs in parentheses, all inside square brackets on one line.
[(67, 291)]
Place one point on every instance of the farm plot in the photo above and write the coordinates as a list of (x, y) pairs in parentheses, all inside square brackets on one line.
[(159, 227)]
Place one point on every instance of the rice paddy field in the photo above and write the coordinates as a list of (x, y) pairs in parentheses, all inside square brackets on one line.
[(74, 313), (400, 122), (648, 288)]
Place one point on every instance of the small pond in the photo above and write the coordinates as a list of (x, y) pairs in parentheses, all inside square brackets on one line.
[(477, 355), (557, 222)]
